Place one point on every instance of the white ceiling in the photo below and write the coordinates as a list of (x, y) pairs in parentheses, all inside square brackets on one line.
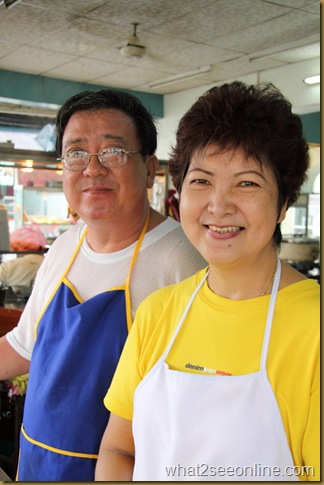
[(80, 40)]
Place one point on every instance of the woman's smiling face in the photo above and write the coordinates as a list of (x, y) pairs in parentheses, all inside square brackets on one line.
[(229, 206)]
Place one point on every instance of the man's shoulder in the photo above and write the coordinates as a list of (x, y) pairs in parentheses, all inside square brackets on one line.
[(70, 236), (170, 231)]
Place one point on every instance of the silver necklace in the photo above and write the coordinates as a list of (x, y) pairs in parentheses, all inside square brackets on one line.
[(270, 284), (262, 292)]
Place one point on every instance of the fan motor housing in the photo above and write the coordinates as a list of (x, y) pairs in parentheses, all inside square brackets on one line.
[(132, 50)]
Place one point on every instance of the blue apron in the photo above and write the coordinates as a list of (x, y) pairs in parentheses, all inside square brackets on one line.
[(77, 348)]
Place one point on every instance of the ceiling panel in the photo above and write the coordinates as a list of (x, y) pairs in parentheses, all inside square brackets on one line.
[(81, 40)]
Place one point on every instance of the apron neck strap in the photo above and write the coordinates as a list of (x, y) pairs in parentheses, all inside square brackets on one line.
[(183, 316), (267, 333), (271, 309), (75, 252), (131, 266)]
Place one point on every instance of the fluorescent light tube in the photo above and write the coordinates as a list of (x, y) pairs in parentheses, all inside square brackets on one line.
[(312, 79), (180, 77)]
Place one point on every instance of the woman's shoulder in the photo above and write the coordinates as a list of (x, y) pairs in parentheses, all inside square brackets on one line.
[(294, 282), (290, 275), (299, 303)]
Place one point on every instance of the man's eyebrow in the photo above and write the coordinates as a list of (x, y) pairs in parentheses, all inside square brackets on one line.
[(106, 136), (114, 137)]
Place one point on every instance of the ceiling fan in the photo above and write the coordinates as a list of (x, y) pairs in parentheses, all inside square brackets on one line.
[(133, 48)]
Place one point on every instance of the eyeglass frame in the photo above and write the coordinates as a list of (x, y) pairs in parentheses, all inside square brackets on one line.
[(120, 151)]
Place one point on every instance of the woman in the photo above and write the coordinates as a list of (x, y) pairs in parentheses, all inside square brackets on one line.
[(219, 378)]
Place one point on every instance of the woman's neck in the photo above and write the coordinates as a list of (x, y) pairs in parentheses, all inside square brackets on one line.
[(242, 281)]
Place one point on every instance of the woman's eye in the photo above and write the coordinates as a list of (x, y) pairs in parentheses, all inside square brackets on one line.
[(199, 181), (248, 183)]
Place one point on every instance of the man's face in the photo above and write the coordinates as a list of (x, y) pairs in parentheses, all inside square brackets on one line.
[(99, 193)]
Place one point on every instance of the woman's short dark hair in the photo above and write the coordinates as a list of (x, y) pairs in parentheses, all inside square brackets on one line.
[(255, 118), (109, 99)]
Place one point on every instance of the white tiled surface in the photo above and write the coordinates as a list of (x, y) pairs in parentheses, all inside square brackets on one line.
[(80, 40)]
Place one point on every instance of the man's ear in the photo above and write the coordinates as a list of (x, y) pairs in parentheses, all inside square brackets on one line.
[(282, 213), (152, 164)]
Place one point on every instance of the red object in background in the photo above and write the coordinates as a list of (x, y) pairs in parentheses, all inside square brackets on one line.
[(38, 178), (172, 204), (27, 239), (9, 318)]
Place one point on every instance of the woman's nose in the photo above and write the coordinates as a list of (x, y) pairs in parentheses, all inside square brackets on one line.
[(220, 202)]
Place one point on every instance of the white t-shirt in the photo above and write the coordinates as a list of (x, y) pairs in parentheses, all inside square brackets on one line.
[(166, 256)]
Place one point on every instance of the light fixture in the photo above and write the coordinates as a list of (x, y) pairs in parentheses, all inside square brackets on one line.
[(180, 77), (312, 79), (28, 166)]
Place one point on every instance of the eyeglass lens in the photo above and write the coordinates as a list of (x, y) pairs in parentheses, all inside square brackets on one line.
[(80, 159)]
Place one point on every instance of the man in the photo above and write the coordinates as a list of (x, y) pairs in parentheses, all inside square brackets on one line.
[(93, 278)]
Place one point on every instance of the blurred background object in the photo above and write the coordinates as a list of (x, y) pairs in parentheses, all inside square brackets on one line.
[(18, 274)]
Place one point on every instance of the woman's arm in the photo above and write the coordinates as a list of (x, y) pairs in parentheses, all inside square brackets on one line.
[(116, 454)]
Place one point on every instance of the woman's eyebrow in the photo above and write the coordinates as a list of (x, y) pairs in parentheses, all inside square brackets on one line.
[(198, 169), (236, 174), (246, 172)]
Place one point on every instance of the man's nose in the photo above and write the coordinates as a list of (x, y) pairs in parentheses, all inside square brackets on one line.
[(94, 166)]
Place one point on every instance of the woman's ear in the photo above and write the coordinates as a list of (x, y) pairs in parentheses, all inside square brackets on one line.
[(152, 164), (282, 213)]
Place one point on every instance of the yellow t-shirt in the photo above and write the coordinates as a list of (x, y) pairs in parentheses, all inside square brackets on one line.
[(224, 337)]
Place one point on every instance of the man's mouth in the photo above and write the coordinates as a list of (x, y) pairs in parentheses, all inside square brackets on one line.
[(225, 230)]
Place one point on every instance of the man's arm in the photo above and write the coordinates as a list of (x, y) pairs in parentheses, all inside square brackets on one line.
[(116, 454), (11, 363)]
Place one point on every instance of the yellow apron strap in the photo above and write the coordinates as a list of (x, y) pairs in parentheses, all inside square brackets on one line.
[(129, 316), (60, 280), (75, 252)]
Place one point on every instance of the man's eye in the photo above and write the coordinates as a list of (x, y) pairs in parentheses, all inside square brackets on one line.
[(113, 150), (75, 153)]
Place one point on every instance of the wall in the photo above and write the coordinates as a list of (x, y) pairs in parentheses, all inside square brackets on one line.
[(305, 99), (42, 89)]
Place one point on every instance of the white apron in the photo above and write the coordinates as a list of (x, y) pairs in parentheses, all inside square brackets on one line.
[(202, 427)]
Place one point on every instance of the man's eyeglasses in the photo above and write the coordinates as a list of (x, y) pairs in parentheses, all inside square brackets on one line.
[(108, 157)]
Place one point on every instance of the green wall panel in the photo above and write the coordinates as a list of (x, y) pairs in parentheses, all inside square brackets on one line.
[(41, 89), (311, 127)]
